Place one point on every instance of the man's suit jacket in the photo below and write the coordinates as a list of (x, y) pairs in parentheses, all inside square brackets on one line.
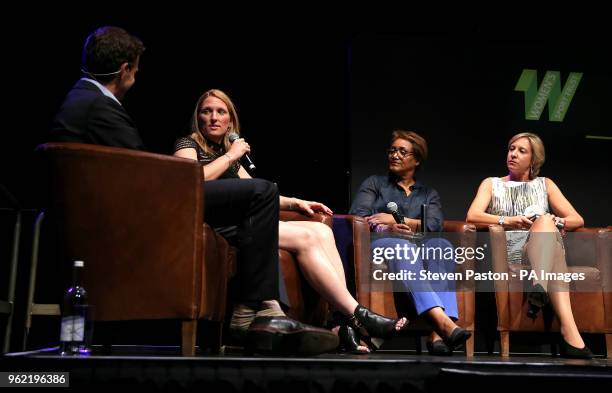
[(88, 116)]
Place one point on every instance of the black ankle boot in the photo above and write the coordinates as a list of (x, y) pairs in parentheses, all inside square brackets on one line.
[(537, 298), (375, 325), (569, 351), (350, 341)]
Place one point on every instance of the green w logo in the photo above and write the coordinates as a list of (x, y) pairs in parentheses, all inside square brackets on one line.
[(550, 90)]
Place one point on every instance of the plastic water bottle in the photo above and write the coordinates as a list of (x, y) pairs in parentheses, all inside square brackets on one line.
[(74, 315)]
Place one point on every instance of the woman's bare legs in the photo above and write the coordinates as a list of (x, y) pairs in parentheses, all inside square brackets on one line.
[(315, 249), (316, 266), (326, 239), (545, 253)]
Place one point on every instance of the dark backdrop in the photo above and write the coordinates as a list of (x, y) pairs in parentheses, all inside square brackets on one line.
[(317, 94), (458, 92), (289, 86)]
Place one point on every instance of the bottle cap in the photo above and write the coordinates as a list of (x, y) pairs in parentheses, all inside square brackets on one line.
[(78, 263)]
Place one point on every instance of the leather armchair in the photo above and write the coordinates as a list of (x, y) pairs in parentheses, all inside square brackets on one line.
[(353, 241), (591, 304), (137, 221)]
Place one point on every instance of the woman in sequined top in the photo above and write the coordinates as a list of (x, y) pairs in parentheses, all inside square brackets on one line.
[(526, 204)]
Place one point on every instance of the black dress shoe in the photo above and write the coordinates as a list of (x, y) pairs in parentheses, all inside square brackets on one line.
[(438, 348), (286, 336), (237, 337), (457, 338), (569, 351)]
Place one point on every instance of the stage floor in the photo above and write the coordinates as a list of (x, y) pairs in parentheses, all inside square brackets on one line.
[(160, 369)]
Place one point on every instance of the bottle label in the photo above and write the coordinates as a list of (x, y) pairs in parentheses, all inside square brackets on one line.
[(73, 328)]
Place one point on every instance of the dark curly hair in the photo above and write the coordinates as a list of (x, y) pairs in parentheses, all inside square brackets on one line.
[(419, 144)]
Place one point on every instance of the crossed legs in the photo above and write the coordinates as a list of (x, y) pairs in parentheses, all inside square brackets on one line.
[(545, 253), (315, 249), (314, 246), (434, 304)]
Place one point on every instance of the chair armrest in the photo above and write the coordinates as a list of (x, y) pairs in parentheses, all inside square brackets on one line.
[(458, 226), (482, 227), (289, 215), (592, 230), (466, 238), (352, 235), (601, 251)]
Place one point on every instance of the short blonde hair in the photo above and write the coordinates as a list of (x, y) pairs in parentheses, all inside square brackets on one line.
[(196, 127), (538, 154)]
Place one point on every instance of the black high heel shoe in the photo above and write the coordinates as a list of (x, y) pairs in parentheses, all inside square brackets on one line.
[(438, 348), (570, 352), (369, 323), (457, 338), (350, 341), (537, 298)]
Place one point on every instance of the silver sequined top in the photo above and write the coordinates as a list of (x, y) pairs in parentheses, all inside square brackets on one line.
[(512, 198)]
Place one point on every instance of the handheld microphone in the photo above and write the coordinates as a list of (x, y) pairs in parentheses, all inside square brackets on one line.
[(424, 217), (533, 212), (249, 164), (392, 207)]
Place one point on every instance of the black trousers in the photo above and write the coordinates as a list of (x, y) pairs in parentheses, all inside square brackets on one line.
[(245, 212)]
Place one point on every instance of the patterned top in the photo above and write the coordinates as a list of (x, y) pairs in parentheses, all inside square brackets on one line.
[(206, 158), (512, 198)]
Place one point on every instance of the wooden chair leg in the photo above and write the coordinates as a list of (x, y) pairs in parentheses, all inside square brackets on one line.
[(218, 334), (188, 340), (504, 343), (469, 346), (418, 345), (608, 345)]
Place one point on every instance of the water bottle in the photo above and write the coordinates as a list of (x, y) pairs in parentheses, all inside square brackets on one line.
[(74, 315)]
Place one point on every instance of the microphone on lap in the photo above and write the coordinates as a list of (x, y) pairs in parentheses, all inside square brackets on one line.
[(392, 207), (249, 163), (533, 212), (424, 207)]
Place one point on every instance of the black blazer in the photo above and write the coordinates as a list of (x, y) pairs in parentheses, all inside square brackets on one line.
[(88, 116)]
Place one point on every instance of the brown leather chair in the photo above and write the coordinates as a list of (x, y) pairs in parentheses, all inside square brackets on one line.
[(358, 253), (136, 219), (592, 309), (306, 305)]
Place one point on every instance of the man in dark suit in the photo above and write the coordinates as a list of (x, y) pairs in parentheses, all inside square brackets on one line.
[(92, 113)]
